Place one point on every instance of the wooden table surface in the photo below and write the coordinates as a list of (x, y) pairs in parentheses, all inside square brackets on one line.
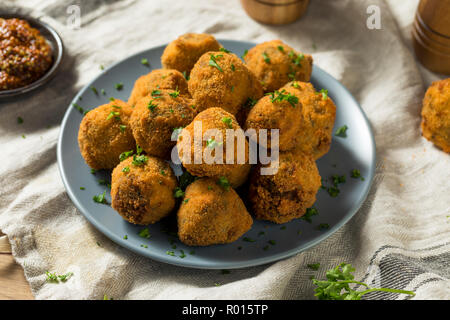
[(13, 285)]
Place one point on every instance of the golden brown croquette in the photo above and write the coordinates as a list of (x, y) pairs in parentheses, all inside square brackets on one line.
[(214, 118), (142, 189), (436, 114), (210, 214), (221, 79), (182, 53), (318, 115), (105, 133), (275, 63), (287, 194), (155, 117)]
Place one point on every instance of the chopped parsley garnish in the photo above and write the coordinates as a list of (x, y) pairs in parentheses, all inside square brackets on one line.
[(178, 193), (125, 237), (224, 50), (170, 253), (144, 233), (151, 106), (281, 48), (113, 114), (102, 67), (144, 61), (309, 213), (272, 242), (228, 121), (355, 174), (82, 188), (250, 103), (261, 233), (266, 57), (125, 155), (138, 149), (336, 286), (156, 94), (122, 127), (186, 200), (324, 93), (19, 120), (112, 99), (175, 94), (94, 90), (139, 160), (213, 61), (342, 131), (224, 183), (182, 255), (338, 179), (283, 95), (246, 239), (233, 67), (118, 86), (323, 226), (163, 172), (245, 53), (314, 266), (93, 171), (295, 84), (101, 198), (185, 75), (80, 109), (103, 92), (211, 143), (333, 191)]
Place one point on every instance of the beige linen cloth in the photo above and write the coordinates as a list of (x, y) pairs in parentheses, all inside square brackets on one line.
[(400, 237)]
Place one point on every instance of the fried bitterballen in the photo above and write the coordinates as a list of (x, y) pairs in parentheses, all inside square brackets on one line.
[(436, 114), (221, 79), (155, 118), (318, 115), (157, 80), (280, 110), (275, 63), (105, 133), (211, 214), (190, 148), (182, 53), (142, 189), (287, 194)]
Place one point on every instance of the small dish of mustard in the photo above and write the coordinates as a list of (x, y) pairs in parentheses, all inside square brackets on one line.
[(30, 54)]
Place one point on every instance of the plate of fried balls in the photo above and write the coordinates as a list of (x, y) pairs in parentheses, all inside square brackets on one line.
[(116, 153)]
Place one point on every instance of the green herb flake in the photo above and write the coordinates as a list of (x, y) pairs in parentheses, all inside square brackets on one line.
[(182, 255), (283, 95), (309, 213), (185, 75), (246, 239), (124, 155), (314, 266), (118, 86), (144, 61), (281, 48), (333, 191), (224, 183), (102, 67), (266, 57), (82, 188), (139, 160), (244, 54), (336, 286), (213, 61), (144, 246), (233, 68), (113, 114), (178, 193), (323, 226), (272, 242), (175, 94), (125, 237), (324, 93), (170, 253), (94, 90), (19, 120), (151, 106), (144, 233), (228, 121), (186, 200), (224, 50), (341, 132), (101, 198), (122, 128)]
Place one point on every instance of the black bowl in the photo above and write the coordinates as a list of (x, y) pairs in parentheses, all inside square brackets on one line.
[(56, 44)]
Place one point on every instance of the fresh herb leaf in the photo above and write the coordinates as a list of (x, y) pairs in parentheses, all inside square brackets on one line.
[(213, 61), (139, 160), (178, 193), (228, 121), (224, 183), (125, 155), (342, 131), (266, 57), (144, 61), (309, 213), (101, 198), (144, 233), (314, 266)]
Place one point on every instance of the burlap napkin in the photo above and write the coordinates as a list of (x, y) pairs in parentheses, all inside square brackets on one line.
[(400, 237)]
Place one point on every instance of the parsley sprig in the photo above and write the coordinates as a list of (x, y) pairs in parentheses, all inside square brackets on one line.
[(337, 285), (213, 61), (283, 95)]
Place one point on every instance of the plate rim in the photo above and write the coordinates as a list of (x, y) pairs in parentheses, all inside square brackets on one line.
[(228, 265)]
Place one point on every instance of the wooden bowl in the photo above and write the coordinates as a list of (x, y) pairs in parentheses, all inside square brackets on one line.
[(275, 11), (431, 35)]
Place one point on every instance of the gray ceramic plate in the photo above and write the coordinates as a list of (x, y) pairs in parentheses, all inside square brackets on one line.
[(357, 151), (53, 39)]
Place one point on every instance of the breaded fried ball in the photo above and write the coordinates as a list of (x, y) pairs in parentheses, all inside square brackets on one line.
[(105, 133), (142, 189), (182, 53), (221, 79), (190, 148), (211, 215), (287, 194), (275, 63), (156, 80), (436, 114), (281, 110), (155, 117), (318, 115)]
